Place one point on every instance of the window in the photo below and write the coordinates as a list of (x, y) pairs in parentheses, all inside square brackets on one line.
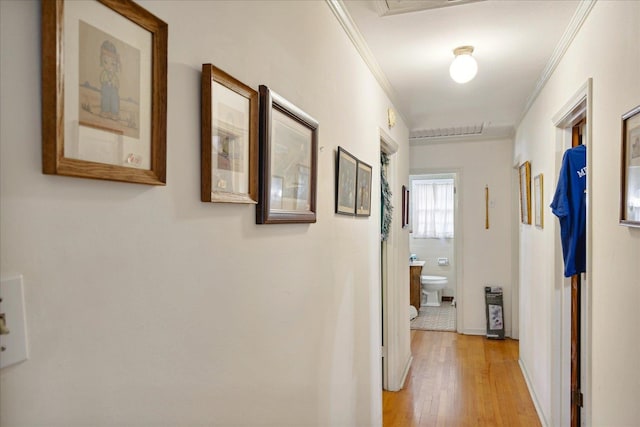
[(432, 201)]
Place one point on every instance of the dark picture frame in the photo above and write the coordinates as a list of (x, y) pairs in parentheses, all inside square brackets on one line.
[(346, 175), (630, 172), (229, 140), (525, 192), (363, 189), (104, 94), (406, 206), (288, 151)]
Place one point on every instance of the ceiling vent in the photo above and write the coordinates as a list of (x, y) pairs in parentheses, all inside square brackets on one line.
[(457, 131), (394, 7)]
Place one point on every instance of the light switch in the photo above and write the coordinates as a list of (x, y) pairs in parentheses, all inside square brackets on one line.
[(14, 343)]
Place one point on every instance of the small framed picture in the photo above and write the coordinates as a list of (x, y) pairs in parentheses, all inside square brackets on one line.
[(288, 162), (229, 153), (630, 177), (525, 193), (405, 206), (538, 192), (104, 91), (363, 192), (346, 175)]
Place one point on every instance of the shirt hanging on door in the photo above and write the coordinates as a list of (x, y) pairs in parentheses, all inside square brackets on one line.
[(570, 206)]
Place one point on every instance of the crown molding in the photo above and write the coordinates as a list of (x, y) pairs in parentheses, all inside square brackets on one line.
[(340, 11), (578, 18)]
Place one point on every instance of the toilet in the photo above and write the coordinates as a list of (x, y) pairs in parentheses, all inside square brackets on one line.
[(431, 287)]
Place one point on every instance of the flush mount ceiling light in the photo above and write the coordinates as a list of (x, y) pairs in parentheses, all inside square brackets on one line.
[(464, 67)]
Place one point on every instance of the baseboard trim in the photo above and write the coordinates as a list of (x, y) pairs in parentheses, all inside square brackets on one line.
[(406, 371), (532, 393), (474, 331)]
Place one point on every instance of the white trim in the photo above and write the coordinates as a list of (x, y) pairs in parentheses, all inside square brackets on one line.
[(471, 331), (532, 393), (344, 18), (406, 372), (387, 144), (394, 364), (578, 107), (580, 15), (350, 27)]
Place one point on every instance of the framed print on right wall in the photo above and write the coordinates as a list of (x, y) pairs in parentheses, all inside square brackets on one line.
[(525, 193), (630, 176), (538, 194)]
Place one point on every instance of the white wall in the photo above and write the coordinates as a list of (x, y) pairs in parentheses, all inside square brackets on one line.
[(146, 306), (606, 49), (485, 254)]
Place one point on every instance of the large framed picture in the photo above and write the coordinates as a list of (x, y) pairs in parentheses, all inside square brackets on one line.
[(525, 193), (363, 193), (630, 177), (288, 162), (538, 192), (104, 91), (229, 156), (346, 172)]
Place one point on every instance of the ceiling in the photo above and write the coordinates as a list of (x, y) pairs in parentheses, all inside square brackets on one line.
[(515, 44)]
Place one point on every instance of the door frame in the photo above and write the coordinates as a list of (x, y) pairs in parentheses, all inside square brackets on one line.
[(578, 108), (393, 376)]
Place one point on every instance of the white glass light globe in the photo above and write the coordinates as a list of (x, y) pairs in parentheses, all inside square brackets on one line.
[(463, 68)]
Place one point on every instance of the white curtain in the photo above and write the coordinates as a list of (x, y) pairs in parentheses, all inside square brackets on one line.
[(432, 201)]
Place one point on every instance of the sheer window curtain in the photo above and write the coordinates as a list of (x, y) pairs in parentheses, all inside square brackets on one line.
[(433, 208)]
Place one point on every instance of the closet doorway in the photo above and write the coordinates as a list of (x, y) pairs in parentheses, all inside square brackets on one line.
[(571, 365)]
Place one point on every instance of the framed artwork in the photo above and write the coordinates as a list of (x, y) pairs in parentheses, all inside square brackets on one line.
[(405, 206), (229, 142), (288, 162), (538, 194), (104, 91), (630, 177), (346, 173), (525, 193), (363, 189)]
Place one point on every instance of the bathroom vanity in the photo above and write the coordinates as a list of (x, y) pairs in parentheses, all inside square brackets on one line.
[(415, 270)]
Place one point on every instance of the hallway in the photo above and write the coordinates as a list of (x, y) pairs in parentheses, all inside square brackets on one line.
[(461, 380)]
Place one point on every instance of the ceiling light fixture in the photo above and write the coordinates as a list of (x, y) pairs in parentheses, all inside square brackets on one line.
[(464, 67)]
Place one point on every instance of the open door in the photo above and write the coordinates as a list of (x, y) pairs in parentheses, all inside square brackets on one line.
[(571, 364)]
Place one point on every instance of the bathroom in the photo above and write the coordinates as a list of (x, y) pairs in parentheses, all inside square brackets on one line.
[(432, 240)]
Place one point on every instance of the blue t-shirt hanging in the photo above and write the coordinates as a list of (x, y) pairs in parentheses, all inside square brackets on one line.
[(570, 206)]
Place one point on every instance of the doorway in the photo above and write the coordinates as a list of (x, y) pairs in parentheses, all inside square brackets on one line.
[(571, 364), (391, 301), (433, 242)]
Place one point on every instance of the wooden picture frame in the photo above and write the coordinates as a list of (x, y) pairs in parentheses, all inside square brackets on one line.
[(630, 173), (346, 175), (538, 194), (288, 150), (363, 189), (525, 192), (104, 91), (229, 141), (406, 206)]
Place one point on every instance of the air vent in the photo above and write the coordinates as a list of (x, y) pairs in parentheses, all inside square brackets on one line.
[(456, 131), (393, 7)]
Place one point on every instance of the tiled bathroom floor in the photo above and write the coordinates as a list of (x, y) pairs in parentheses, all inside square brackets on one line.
[(441, 318)]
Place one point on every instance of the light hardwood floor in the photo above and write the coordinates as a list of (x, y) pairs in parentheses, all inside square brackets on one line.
[(459, 381)]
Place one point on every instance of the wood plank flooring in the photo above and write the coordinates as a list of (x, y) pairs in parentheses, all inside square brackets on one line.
[(459, 381)]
